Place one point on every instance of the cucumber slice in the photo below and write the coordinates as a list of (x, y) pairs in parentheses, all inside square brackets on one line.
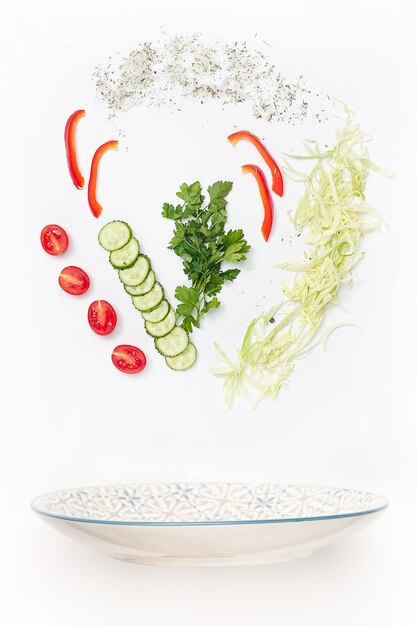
[(157, 314), (172, 344), (114, 235), (160, 329), (126, 256), (144, 287), (149, 300), (136, 274), (183, 361)]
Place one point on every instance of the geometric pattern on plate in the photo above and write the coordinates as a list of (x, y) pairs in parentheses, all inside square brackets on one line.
[(176, 503)]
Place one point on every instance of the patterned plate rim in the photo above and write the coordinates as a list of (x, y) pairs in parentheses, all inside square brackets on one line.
[(383, 505)]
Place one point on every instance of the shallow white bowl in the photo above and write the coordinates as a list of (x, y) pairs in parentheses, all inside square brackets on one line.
[(208, 523)]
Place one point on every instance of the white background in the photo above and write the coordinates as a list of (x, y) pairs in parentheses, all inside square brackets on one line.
[(69, 418)]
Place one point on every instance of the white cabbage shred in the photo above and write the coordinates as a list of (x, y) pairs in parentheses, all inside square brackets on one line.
[(333, 217)]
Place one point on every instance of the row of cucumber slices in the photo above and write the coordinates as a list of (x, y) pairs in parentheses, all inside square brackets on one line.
[(139, 281)]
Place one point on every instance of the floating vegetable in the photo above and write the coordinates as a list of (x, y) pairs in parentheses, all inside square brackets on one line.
[(277, 181), (54, 239), (202, 243), (95, 206), (69, 136), (128, 359), (147, 294), (102, 317), (74, 280), (334, 217), (266, 197)]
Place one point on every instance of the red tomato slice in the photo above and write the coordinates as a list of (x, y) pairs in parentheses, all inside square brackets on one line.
[(102, 317), (74, 280), (54, 239), (128, 359)]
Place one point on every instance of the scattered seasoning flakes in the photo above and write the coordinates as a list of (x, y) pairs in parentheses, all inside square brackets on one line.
[(163, 73)]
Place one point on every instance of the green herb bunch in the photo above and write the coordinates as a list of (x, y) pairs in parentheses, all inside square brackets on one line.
[(202, 243)]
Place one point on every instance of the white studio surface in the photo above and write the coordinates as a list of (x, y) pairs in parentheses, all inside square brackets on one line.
[(68, 418)]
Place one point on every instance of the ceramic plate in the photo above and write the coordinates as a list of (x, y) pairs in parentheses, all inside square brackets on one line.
[(208, 523)]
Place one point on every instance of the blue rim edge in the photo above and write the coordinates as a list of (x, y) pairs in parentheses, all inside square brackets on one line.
[(215, 523)]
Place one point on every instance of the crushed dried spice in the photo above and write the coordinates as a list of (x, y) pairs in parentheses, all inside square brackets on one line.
[(164, 72)]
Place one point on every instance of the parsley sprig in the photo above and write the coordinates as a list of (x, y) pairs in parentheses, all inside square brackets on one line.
[(202, 243)]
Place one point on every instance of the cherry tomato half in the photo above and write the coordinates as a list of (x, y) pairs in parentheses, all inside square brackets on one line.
[(102, 317), (54, 239), (74, 280), (128, 359)]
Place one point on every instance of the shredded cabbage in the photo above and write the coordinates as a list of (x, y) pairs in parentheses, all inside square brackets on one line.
[(333, 216)]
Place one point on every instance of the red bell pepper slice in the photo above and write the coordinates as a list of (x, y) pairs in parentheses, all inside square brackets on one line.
[(69, 136), (267, 201), (95, 206), (277, 181)]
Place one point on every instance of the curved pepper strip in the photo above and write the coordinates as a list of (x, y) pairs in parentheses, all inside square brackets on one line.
[(95, 206), (69, 136), (267, 201), (277, 181)]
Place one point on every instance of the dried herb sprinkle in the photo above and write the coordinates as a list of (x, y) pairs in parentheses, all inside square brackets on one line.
[(165, 72)]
